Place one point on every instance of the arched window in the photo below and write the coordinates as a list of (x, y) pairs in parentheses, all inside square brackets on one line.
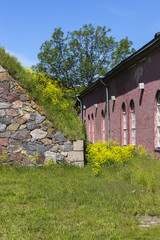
[(89, 128), (158, 120), (124, 125), (133, 123), (93, 135), (103, 126)]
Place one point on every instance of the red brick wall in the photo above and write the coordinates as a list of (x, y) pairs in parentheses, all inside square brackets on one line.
[(124, 86)]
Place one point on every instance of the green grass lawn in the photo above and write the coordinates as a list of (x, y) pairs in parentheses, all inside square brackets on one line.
[(72, 203)]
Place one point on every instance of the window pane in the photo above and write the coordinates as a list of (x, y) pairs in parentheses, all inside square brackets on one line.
[(133, 137), (103, 124), (124, 121), (158, 109), (158, 115), (158, 120), (93, 130), (89, 126), (158, 137), (125, 137), (124, 128), (158, 99), (133, 120), (103, 136)]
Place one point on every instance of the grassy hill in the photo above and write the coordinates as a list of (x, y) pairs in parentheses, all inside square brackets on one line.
[(58, 102)]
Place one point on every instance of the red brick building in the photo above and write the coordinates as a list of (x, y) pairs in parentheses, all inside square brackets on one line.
[(124, 105)]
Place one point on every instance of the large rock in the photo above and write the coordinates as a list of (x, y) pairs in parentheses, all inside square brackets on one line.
[(19, 120), (46, 141), (38, 134), (39, 118), (41, 159), (54, 148), (13, 127), (66, 148), (4, 76), (11, 112), (21, 135), (49, 156), (59, 137), (17, 149), (77, 156), (26, 117), (2, 127), (60, 157), (5, 85), (28, 109), (17, 157), (6, 121), (23, 97), (17, 104), (51, 133), (23, 126), (14, 146), (2, 113), (32, 125), (34, 147), (3, 149), (4, 142), (13, 97), (65, 154), (6, 134), (1, 90), (4, 105), (78, 145), (20, 112), (46, 124)]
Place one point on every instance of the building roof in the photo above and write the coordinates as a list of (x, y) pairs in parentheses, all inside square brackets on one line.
[(132, 59)]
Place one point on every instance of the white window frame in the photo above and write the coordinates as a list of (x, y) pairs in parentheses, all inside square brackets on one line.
[(89, 129), (133, 123), (133, 127), (158, 121), (124, 128), (93, 136), (103, 127)]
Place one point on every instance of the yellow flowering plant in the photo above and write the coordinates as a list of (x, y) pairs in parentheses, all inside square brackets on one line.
[(108, 153)]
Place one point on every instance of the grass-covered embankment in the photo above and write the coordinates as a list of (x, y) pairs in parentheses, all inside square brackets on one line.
[(72, 203), (58, 102)]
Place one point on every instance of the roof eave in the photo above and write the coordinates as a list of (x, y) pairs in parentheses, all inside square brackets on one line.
[(129, 61)]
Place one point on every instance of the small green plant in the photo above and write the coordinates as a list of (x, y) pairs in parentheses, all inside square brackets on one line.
[(142, 152), (34, 158), (3, 158), (50, 163)]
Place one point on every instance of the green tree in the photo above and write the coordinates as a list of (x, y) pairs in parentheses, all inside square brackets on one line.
[(80, 57)]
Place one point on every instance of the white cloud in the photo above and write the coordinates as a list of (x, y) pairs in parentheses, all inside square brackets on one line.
[(24, 60)]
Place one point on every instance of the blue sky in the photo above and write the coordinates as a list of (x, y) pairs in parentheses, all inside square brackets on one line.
[(25, 25)]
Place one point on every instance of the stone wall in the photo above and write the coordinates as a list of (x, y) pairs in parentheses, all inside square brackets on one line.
[(24, 129)]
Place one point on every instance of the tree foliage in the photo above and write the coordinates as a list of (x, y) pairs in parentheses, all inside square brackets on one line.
[(81, 56)]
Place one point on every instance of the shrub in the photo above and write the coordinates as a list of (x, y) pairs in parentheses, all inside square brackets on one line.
[(59, 109), (108, 153)]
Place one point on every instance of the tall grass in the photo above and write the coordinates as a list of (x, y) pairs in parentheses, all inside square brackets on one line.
[(72, 203)]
